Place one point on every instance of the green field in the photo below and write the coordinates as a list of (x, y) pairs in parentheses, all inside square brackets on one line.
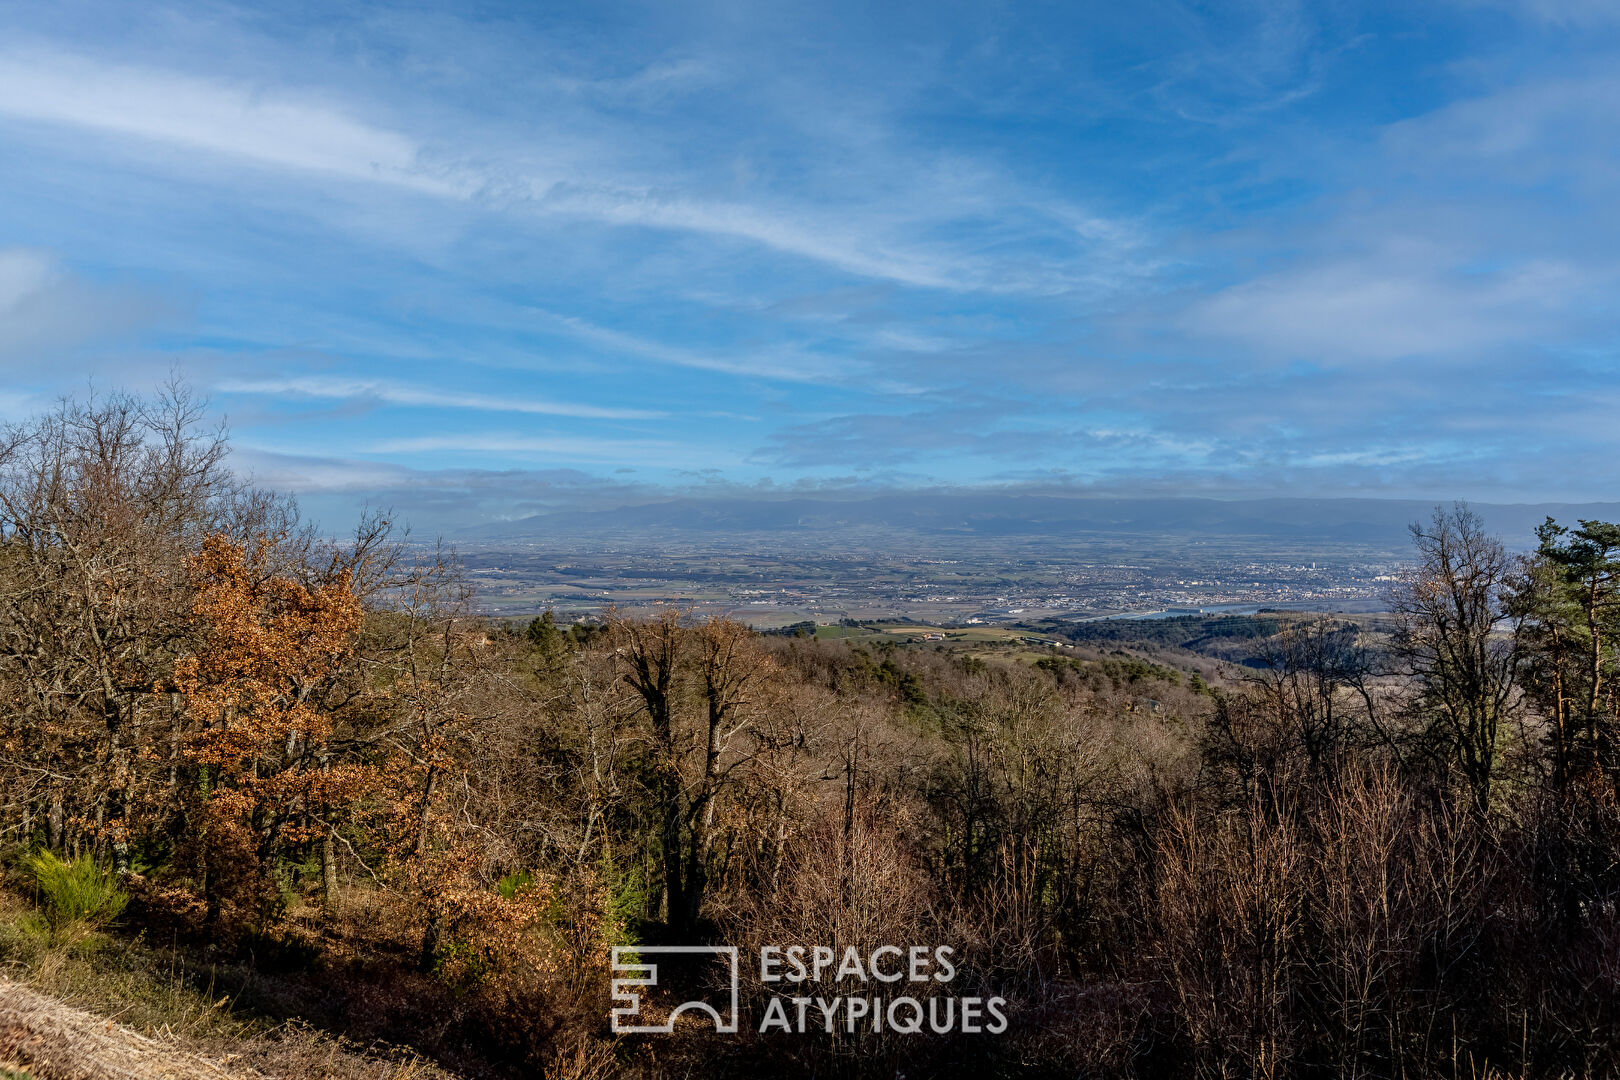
[(915, 631)]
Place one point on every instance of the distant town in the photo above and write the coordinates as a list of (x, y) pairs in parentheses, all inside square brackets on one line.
[(790, 583)]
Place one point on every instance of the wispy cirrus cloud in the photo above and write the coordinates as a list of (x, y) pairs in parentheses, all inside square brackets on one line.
[(396, 393), (1557, 13), (1342, 247), (784, 230), (1388, 306), (213, 115), (311, 133), (664, 453), (792, 365)]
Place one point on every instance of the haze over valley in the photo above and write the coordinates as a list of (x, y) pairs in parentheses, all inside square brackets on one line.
[(961, 557)]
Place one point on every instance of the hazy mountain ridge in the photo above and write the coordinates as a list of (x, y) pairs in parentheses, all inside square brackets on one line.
[(1365, 521)]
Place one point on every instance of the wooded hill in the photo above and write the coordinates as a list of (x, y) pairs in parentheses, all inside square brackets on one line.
[(1376, 853)]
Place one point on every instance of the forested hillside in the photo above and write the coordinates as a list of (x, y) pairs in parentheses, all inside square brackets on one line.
[(304, 765)]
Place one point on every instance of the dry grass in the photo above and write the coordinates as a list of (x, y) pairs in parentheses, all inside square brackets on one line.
[(45, 1038), (82, 1006)]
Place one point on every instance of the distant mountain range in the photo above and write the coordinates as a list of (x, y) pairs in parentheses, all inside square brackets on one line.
[(1379, 522)]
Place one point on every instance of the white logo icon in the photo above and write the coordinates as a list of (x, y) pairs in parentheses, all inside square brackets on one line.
[(646, 974)]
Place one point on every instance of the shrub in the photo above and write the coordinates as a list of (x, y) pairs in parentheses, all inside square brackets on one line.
[(77, 891)]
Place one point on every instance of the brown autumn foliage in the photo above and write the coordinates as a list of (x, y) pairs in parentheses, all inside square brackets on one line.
[(269, 779), (1373, 852)]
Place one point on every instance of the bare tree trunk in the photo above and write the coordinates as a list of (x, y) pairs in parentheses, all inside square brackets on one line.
[(329, 874), (422, 817), (54, 824)]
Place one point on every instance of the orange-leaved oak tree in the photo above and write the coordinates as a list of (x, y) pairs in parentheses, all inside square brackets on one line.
[(269, 783)]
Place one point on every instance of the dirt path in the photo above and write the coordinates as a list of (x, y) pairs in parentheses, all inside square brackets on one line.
[(43, 1038)]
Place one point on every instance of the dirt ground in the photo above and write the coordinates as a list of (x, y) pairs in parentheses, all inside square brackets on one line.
[(44, 1038)]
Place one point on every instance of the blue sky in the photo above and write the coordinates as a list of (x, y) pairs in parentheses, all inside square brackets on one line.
[(475, 260)]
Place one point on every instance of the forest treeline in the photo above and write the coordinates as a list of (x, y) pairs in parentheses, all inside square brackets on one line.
[(1377, 853)]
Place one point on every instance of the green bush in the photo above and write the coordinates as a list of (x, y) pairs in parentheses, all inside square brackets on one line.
[(77, 891), (510, 885)]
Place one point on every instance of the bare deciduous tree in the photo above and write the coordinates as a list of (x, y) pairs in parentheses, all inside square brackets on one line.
[(1456, 640)]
